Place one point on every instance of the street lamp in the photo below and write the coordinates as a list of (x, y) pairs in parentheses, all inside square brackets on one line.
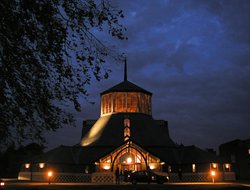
[(213, 175), (50, 174), (2, 184)]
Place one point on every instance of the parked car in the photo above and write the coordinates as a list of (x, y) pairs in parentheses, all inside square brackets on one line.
[(147, 176), (2, 184), (126, 174)]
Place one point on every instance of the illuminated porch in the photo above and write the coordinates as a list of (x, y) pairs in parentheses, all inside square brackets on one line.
[(128, 157)]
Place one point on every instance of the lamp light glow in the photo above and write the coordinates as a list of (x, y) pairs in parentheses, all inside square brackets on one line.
[(106, 167), (27, 166), (214, 165), (50, 173), (152, 167), (41, 165), (193, 168), (129, 160), (213, 173)]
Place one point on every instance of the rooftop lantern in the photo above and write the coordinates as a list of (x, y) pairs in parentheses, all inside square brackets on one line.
[(125, 97)]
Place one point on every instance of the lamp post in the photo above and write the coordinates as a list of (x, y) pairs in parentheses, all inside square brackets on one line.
[(213, 175), (50, 174)]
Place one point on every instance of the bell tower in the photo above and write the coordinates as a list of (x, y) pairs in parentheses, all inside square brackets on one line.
[(126, 97)]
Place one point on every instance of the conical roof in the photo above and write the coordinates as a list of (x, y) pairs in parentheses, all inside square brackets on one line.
[(126, 86)]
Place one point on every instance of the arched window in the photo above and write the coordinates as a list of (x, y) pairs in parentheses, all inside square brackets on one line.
[(126, 129), (126, 122), (126, 133)]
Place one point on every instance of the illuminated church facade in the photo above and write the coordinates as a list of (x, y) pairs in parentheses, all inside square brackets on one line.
[(126, 136), (126, 124)]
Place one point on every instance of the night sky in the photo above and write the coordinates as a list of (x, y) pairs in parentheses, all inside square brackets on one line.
[(194, 56)]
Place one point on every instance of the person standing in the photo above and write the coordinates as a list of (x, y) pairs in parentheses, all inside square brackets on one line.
[(117, 176)]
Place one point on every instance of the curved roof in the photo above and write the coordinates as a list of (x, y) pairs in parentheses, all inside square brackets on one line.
[(126, 86), (184, 155), (71, 155), (109, 131)]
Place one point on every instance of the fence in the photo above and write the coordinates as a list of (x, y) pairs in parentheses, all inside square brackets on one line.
[(109, 177)]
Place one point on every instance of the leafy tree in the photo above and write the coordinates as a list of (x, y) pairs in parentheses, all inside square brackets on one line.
[(49, 52)]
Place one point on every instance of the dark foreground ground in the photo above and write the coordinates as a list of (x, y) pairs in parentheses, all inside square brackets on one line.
[(166, 186)]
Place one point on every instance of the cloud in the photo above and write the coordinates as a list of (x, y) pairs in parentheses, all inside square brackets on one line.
[(194, 56)]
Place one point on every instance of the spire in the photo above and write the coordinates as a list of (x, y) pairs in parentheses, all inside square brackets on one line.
[(125, 70)]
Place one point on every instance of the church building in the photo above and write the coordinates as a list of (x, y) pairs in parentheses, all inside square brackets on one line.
[(125, 136)]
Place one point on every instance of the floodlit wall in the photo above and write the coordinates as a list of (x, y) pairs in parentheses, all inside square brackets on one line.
[(135, 102)]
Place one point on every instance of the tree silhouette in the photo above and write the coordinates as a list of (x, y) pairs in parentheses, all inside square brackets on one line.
[(48, 54)]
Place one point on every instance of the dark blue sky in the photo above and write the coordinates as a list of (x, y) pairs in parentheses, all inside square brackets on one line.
[(194, 56)]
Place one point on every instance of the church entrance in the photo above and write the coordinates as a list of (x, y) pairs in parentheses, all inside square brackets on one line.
[(127, 158), (130, 160)]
